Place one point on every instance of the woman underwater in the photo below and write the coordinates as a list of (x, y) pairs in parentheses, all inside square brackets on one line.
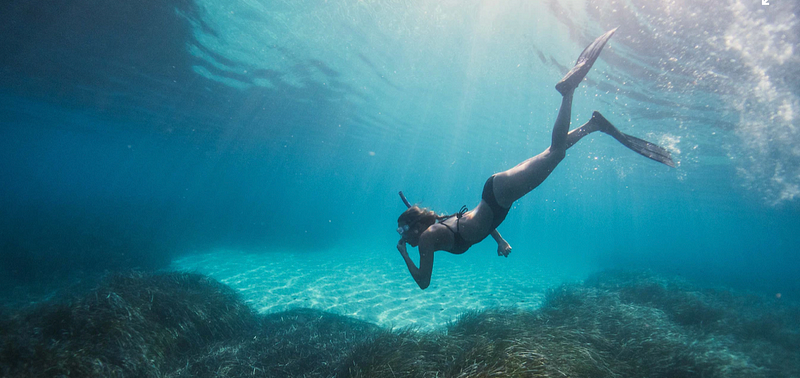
[(457, 232)]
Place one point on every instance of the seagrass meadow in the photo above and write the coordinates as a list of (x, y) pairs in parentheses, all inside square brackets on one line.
[(615, 324)]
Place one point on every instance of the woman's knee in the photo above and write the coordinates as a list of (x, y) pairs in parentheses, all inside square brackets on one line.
[(556, 154)]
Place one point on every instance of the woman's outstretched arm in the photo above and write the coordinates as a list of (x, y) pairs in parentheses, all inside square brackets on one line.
[(422, 275)]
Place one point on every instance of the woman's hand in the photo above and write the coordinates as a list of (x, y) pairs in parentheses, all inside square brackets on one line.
[(401, 246), (503, 248)]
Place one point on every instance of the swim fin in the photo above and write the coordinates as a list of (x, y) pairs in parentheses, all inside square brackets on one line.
[(584, 64), (641, 146)]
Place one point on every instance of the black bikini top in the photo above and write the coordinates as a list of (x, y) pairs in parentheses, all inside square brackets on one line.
[(460, 245)]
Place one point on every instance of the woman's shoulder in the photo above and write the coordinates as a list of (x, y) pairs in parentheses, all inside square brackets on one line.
[(437, 235), (437, 228)]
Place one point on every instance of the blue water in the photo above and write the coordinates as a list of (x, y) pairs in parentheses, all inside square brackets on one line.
[(135, 133)]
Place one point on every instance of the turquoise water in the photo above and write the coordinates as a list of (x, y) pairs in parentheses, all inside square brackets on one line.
[(136, 134)]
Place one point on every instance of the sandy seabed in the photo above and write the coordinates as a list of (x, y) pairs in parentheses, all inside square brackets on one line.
[(377, 287)]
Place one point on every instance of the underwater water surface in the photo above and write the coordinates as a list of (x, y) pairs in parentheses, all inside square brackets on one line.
[(263, 144)]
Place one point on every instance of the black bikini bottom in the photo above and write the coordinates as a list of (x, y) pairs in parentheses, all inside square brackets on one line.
[(488, 196)]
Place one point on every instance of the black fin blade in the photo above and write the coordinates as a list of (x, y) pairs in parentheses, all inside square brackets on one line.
[(650, 150), (585, 61), (641, 146)]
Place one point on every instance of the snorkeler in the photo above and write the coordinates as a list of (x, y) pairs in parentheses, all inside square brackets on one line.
[(456, 233)]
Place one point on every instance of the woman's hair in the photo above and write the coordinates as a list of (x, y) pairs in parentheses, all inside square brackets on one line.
[(415, 214)]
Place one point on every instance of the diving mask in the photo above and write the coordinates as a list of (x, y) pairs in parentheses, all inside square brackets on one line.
[(402, 229)]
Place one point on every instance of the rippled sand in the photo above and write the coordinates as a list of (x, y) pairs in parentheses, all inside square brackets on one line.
[(376, 287)]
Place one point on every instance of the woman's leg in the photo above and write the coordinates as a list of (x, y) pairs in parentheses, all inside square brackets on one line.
[(514, 183)]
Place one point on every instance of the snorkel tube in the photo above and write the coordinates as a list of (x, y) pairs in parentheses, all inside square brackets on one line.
[(405, 201)]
